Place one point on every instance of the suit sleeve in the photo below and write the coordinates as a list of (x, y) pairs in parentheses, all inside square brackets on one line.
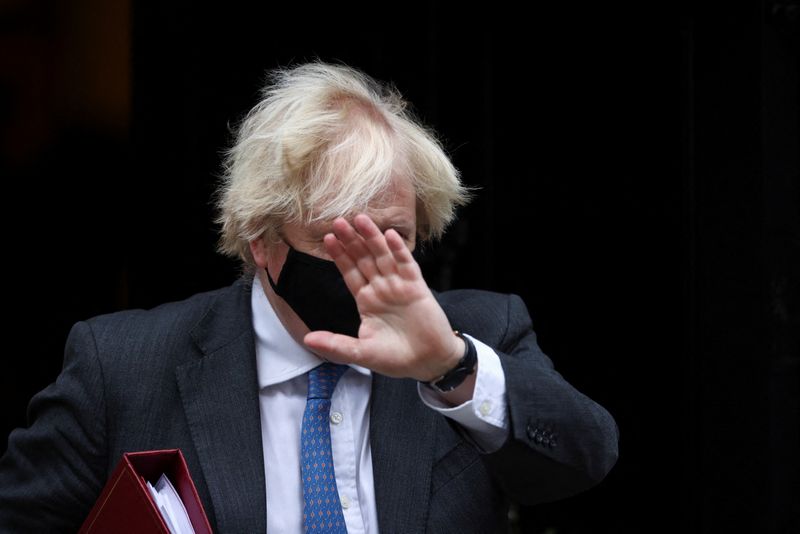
[(53, 470), (560, 441)]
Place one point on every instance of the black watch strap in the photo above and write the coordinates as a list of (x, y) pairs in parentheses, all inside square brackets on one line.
[(456, 376)]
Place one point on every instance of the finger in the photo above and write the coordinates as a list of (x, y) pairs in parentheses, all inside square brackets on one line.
[(376, 243), (407, 266), (355, 247), (350, 272), (337, 348)]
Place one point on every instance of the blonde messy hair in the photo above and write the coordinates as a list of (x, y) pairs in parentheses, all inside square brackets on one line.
[(323, 142)]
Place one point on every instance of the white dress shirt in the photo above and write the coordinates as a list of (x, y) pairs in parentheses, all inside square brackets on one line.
[(282, 365)]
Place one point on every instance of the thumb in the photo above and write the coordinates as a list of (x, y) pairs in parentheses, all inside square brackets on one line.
[(337, 348)]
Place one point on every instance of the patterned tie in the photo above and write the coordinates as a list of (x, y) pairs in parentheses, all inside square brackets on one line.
[(322, 512)]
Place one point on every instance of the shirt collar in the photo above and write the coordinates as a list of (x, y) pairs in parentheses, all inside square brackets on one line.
[(279, 358)]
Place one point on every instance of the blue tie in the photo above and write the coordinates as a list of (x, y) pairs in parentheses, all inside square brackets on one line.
[(322, 512)]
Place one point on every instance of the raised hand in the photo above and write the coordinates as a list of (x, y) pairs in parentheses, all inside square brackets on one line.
[(404, 332)]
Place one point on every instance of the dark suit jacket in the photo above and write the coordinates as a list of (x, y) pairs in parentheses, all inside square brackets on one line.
[(183, 375)]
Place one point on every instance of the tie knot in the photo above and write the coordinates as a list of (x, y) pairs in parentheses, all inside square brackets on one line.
[(323, 379)]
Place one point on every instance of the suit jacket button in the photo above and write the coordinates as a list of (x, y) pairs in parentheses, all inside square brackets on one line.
[(532, 433)]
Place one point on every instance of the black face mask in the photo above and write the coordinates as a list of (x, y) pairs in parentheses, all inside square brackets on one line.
[(315, 289)]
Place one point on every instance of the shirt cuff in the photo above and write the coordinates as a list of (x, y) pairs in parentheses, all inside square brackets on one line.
[(485, 416)]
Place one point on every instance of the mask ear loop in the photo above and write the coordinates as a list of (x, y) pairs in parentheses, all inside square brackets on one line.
[(273, 241), (271, 282)]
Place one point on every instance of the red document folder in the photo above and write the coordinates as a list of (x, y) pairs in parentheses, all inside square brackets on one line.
[(125, 505)]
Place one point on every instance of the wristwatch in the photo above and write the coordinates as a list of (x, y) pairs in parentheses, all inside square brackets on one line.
[(456, 376)]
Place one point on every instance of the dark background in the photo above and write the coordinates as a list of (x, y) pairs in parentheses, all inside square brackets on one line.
[(637, 168)]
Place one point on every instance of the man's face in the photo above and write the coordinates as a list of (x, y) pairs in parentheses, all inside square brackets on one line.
[(396, 209)]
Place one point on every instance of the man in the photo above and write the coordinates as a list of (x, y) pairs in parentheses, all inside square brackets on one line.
[(442, 408)]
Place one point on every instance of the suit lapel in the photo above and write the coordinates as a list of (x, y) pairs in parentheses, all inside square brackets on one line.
[(402, 439), (219, 392)]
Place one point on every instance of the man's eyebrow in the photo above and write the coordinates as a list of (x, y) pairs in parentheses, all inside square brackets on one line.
[(320, 229), (401, 226)]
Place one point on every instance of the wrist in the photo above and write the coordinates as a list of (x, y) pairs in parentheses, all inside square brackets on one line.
[(458, 373)]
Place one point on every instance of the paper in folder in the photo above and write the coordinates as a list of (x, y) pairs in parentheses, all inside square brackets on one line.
[(126, 505)]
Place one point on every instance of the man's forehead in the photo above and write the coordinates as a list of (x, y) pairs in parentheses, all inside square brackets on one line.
[(399, 190), (394, 204)]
